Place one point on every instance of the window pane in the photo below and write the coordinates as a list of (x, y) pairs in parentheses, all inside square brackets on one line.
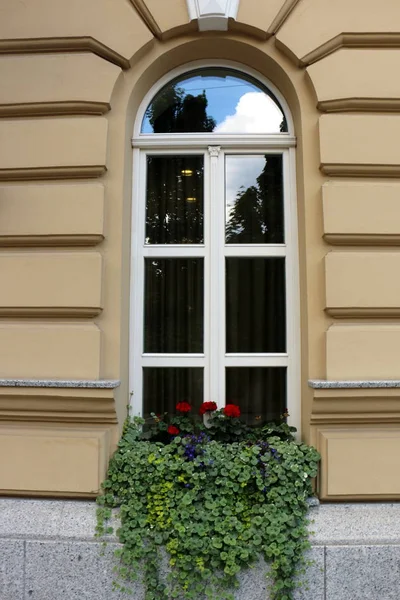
[(174, 200), (173, 305), (163, 388), (214, 100), (259, 391), (255, 305), (254, 199)]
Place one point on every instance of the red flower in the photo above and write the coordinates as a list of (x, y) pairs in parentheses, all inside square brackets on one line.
[(232, 410), (183, 407), (172, 430), (207, 407)]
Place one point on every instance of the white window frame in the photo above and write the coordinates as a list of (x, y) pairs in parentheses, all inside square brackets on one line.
[(215, 147)]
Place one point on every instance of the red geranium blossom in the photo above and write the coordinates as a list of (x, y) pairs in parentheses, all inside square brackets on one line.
[(183, 407), (232, 410), (207, 407), (172, 430)]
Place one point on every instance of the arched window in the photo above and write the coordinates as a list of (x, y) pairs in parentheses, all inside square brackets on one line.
[(214, 255), (214, 100)]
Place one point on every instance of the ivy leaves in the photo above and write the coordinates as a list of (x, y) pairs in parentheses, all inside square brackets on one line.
[(215, 508)]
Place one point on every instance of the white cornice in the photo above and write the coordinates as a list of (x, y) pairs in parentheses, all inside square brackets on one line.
[(213, 15)]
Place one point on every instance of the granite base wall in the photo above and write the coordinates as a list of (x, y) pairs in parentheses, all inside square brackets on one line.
[(48, 550)]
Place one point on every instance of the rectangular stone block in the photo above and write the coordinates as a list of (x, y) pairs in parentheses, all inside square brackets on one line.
[(11, 569), (363, 352), (359, 139), (355, 523), (49, 351), (362, 283), (77, 77), (357, 212), (53, 459), (312, 583), (356, 73), (362, 572), (72, 570), (46, 143), (359, 462), (22, 517), (50, 284), (255, 582), (51, 214)]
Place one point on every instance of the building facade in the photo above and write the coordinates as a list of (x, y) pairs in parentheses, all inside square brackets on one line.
[(76, 81)]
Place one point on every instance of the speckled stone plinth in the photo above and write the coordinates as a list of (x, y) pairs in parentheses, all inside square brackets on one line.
[(48, 551)]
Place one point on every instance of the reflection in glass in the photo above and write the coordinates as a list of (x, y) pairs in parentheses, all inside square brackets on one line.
[(174, 200), (254, 199), (259, 391), (255, 305), (214, 100), (173, 309), (163, 388)]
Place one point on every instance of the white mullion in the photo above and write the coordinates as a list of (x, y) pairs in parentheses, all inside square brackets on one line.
[(216, 316), (220, 261), (207, 220), (256, 361), (174, 251), (221, 289), (165, 360), (256, 250), (257, 143), (137, 276), (292, 290)]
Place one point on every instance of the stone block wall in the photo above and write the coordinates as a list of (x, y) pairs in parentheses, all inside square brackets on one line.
[(48, 550)]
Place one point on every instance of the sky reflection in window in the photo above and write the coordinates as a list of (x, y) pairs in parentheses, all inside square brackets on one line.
[(214, 100)]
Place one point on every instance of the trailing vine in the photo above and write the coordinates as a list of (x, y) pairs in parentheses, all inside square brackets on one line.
[(215, 498)]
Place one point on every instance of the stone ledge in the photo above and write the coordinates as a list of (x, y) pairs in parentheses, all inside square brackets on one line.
[(324, 384), (331, 524), (61, 383)]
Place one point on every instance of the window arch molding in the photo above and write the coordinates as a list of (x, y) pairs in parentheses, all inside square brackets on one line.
[(192, 143)]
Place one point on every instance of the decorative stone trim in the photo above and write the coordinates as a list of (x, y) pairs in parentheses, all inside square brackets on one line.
[(321, 384), (352, 40), (63, 44), (79, 172), (89, 239), (147, 17), (361, 239), (360, 170), (356, 312), (86, 312), (61, 383), (49, 109), (281, 17), (360, 105), (213, 15)]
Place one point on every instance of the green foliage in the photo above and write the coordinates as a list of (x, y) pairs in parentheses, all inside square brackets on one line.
[(215, 507)]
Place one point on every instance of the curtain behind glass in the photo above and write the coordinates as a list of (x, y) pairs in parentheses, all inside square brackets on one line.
[(174, 200)]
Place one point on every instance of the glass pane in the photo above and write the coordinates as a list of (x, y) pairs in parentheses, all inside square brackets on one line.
[(214, 100), (174, 200), (173, 305), (255, 305), (254, 199), (259, 392), (164, 387)]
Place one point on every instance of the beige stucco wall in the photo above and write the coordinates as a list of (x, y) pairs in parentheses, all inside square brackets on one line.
[(74, 75)]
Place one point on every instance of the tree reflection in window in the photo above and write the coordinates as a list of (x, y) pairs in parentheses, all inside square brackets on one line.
[(254, 214), (214, 100)]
